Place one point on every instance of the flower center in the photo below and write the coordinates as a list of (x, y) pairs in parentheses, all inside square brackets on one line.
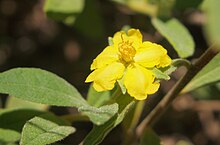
[(126, 50)]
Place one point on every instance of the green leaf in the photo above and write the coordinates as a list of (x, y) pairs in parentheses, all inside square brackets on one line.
[(15, 119), (160, 75), (100, 115), (97, 99), (150, 138), (208, 75), (98, 133), (13, 102), (212, 29), (39, 131), (39, 86), (65, 10), (9, 136), (177, 35), (90, 22)]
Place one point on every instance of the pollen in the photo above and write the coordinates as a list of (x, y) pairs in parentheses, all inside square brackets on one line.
[(126, 51)]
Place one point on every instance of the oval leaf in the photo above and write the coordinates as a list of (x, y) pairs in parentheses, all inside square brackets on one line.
[(212, 29), (8, 136), (39, 131), (209, 74), (65, 11), (177, 35), (39, 86)]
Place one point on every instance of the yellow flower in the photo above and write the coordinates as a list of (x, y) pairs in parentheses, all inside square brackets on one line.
[(130, 60)]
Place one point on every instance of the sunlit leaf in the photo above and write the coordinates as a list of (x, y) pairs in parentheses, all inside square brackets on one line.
[(39, 131), (209, 74), (40, 86), (65, 10), (177, 35)]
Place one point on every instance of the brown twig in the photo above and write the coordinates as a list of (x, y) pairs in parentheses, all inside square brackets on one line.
[(164, 104)]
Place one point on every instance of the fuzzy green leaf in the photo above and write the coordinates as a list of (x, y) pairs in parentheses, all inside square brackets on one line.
[(98, 133), (40, 86), (39, 131), (177, 35), (100, 115)]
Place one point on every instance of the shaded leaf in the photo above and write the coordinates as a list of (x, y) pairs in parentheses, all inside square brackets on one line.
[(212, 29), (150, 138), (209, 74), (39, 131), (97, 99), (8, 136), (177, 35), (15, 119), (13, 102), (89, 22)]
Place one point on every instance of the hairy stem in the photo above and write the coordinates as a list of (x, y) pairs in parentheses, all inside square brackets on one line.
[(164, 104)]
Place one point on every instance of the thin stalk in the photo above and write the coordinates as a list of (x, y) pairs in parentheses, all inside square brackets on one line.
[(164, 104)]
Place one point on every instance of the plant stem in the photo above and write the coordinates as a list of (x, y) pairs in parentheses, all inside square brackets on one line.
[(164, 104)]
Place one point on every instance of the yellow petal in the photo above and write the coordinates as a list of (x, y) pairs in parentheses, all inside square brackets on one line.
[(137, 81), (105, 78), (118, 38), (107, 56), (152, 88), (149, 54), (135, 34), (165, 61)]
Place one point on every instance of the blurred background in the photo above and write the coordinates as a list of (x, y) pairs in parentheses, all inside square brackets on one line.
[(66, 46)]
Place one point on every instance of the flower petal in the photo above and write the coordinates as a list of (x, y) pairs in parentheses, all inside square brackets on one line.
[(118, 37), (136, 35), (150, 54), (152, 88), (138, 82), (165, 61), (105, 78), (107, 56)]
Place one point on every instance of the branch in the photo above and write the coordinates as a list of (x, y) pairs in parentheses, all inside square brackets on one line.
[(164, 104)]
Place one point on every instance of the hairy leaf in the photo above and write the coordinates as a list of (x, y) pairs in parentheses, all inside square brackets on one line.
[(39, 131)]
